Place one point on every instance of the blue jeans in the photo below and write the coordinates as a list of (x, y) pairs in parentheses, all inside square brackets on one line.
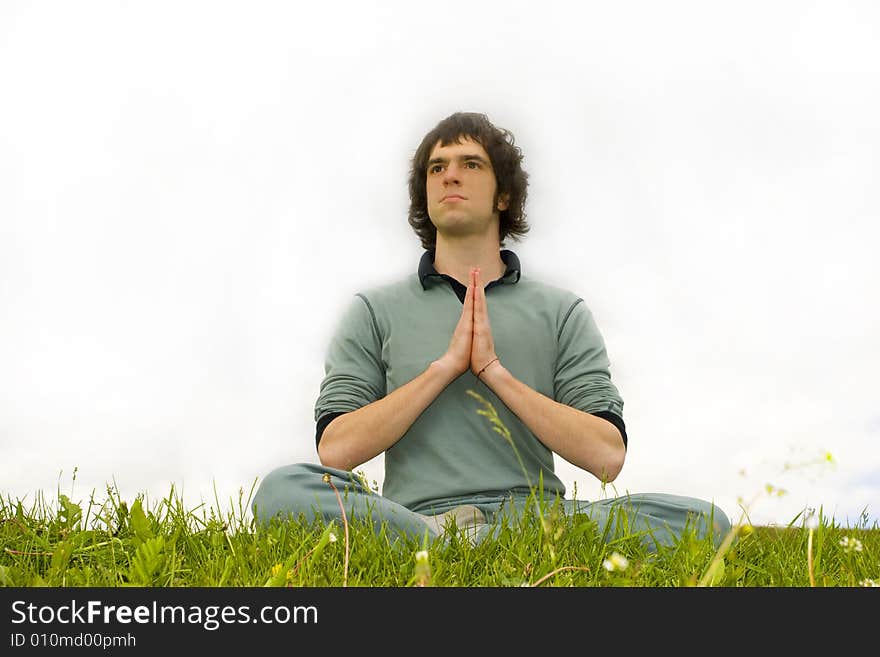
[(659, 518)]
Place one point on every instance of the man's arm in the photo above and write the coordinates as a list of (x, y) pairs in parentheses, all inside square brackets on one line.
[(357, 436), (354, 438), (584, 440)]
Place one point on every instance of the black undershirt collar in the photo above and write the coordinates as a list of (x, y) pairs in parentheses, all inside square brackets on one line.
[(428, 274)]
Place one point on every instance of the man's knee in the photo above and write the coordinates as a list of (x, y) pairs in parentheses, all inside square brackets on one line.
[(280, 490), (720, 522)]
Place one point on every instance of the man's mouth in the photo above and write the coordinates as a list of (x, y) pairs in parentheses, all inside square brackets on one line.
[(452, 197)]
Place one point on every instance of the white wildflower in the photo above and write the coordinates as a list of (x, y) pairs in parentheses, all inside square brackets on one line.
[(615, 562), (422, 556), (812, 520), (869, 582), (332, 537), (851, 544)]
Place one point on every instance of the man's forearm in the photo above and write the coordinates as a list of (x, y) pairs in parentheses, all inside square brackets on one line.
[(584, 440), (354, 438)]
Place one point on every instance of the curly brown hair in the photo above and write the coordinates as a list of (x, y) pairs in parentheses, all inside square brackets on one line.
[(506, 160)]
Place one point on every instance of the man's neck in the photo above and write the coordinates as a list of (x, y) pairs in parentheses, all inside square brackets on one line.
[(456, 257)]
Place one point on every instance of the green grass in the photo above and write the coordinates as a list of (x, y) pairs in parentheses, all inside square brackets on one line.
[(111, 542)]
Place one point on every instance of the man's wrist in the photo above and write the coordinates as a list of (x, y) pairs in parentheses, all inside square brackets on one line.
[(493, 373), (444, 369), (483, 369)]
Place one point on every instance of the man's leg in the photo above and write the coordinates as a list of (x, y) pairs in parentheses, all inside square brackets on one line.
[(659, 518), (300, 489)]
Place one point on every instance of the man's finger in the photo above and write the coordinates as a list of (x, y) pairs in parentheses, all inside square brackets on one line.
[(467, 310), (479, 298)]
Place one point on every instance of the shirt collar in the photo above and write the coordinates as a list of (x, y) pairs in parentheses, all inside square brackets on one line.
[(428, 274)]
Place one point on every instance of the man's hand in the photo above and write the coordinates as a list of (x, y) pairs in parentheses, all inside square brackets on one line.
[(483, 346), (458, 356), (471, 345)]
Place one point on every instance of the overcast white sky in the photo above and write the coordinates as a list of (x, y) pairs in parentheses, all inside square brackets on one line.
[(190, 192)]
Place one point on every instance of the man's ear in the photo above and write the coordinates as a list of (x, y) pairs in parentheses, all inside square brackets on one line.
[(503, 202)]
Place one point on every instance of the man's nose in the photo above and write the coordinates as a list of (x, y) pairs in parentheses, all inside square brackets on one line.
[(451, 174)]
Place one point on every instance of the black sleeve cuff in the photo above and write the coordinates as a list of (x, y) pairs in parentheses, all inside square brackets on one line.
[(615, 420), (323, 421)]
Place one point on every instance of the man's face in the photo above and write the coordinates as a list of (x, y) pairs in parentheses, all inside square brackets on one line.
[(460, 186)]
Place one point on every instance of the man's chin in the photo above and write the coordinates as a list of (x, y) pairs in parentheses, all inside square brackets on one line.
[(460, 224)]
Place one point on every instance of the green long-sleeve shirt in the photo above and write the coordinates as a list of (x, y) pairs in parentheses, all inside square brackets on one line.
[(545, 336)]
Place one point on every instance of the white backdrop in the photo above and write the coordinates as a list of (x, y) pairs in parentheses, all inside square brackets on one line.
[(190, 192)]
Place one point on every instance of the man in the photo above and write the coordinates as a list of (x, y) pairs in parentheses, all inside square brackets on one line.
[(406, 358)]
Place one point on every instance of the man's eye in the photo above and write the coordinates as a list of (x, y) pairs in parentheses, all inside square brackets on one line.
[(472, 165), (436, 168)]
